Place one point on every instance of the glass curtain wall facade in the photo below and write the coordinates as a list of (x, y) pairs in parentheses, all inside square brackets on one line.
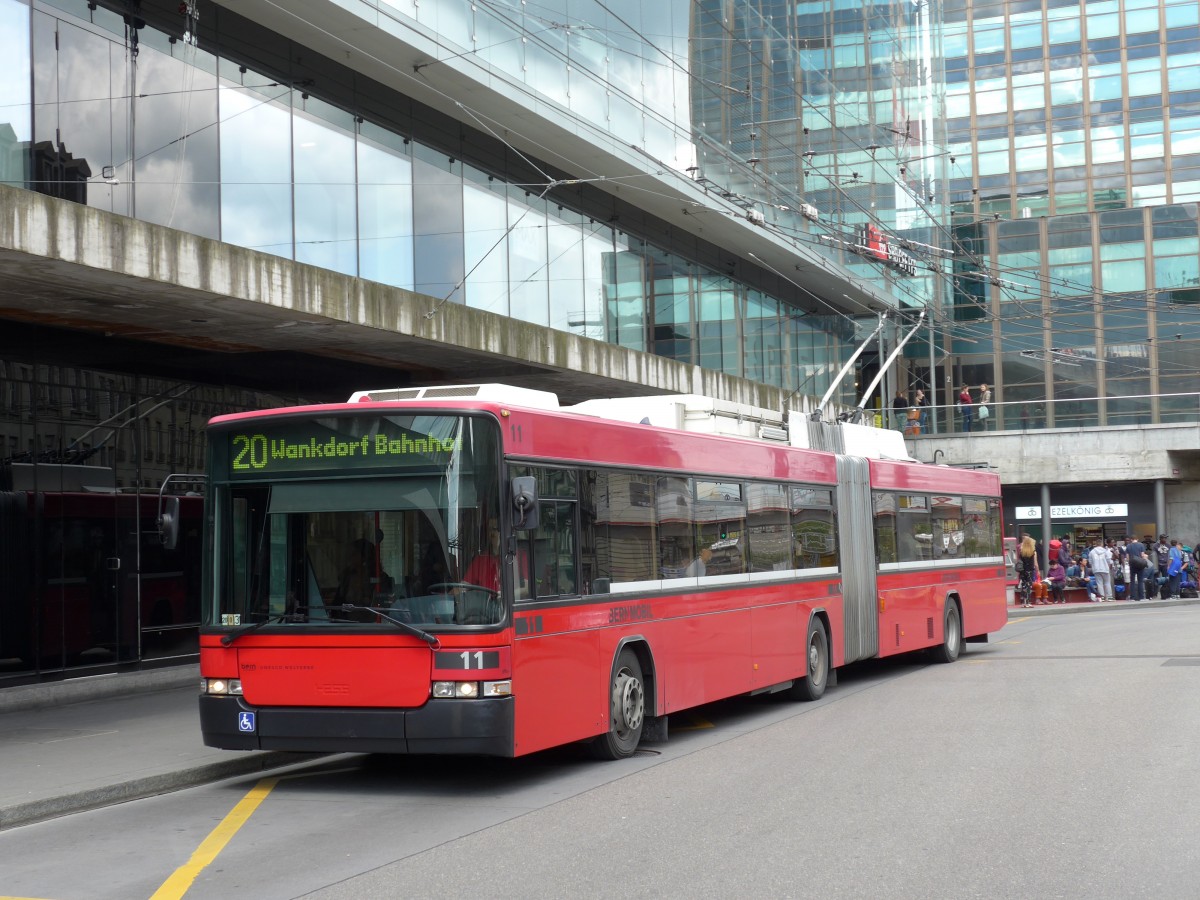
[(769, 105), (776, 110), (137, 122), (833, 105), (1075, 144)]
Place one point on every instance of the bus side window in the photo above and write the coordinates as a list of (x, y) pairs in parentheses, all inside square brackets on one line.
[(522, 574), (554, 550), (720, 511)]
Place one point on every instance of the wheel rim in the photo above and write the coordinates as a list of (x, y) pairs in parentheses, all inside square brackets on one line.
[(816, 658), (953, 635), (628, 703)]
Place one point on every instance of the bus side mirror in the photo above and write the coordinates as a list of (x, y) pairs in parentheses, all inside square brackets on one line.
[(168, 522), (525, 502)]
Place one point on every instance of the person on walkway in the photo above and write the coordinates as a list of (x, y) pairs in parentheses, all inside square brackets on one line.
[(1101, 565), (1065, 554), (1116, 565), (1162, 555), (1190, 570), (1174, 569), (1076, 577), (966, 407), (900, 408), (985, 406), (1027, 570), (1057, 576), (922, 407), (1116, 549), (1138, 562), (1150, 581)]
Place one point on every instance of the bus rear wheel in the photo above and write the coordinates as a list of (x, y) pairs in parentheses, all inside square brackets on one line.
[(627, 710), (812, 685), (952, 639)]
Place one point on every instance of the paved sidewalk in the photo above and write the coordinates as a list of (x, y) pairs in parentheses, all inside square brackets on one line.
[(1015, 610), (89, 742)]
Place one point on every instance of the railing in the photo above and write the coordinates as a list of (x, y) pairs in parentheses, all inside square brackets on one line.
[(1066, 412)]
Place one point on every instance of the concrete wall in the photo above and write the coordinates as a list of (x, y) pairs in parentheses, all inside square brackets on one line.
[(1074, 455), (67, 265)]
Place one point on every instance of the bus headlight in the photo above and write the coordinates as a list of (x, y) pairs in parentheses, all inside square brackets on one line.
[(221, 686), (463, 690), (470, 690)]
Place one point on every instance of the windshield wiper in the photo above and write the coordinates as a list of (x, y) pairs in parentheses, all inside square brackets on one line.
[(416, 632), (269, 620), (299, 616)]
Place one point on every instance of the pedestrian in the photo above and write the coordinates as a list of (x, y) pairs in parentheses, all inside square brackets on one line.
[(1174, 569), (1116, 549), (1116, 561), (1057, 576), (1187, 587), (1075, 574), (1162, 555), (966, 407), (1098, 559), (985, 405), (1064, 551), (1150, 578), (1136, 551), (1027, 570), (900, 408), (922, 406)]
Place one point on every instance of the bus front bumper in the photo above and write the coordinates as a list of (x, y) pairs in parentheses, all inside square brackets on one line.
[(468, 727)]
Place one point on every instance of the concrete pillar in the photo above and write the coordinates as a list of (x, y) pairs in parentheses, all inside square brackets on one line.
[(1160, 507), (1046, 524)]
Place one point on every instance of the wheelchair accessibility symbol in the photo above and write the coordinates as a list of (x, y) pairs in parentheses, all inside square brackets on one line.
[(246, 721)]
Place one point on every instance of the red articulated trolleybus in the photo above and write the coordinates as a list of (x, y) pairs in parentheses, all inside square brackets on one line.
[(476, 570)]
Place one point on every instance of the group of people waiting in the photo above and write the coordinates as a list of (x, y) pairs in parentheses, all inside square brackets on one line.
[(1137, 569), (910, 414)]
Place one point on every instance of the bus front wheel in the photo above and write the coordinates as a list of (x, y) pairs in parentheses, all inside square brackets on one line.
[(627, 710), (816, 652)]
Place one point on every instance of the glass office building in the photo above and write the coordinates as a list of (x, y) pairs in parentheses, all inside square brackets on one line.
[(253, 140), (1074, 142)]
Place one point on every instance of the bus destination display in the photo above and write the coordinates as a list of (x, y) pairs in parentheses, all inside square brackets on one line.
[(300, 448)]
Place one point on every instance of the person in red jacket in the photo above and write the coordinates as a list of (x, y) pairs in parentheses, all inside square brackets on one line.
[(967, 407)]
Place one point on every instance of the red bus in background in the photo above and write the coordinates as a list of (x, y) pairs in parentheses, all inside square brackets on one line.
[(85, 579), (476, 570)]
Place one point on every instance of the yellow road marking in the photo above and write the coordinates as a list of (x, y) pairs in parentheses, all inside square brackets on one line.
[(1022, 619), (181, 880)]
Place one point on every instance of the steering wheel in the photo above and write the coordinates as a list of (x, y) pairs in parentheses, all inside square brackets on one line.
[(446, 587), (489, 614)]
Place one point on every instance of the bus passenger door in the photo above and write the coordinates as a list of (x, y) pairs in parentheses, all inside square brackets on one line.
[(856, 537)]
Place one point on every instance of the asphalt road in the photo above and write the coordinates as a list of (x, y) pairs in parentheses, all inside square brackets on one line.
[(1059, 761)]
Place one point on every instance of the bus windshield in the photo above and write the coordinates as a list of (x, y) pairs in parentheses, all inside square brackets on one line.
[(361, 520)]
